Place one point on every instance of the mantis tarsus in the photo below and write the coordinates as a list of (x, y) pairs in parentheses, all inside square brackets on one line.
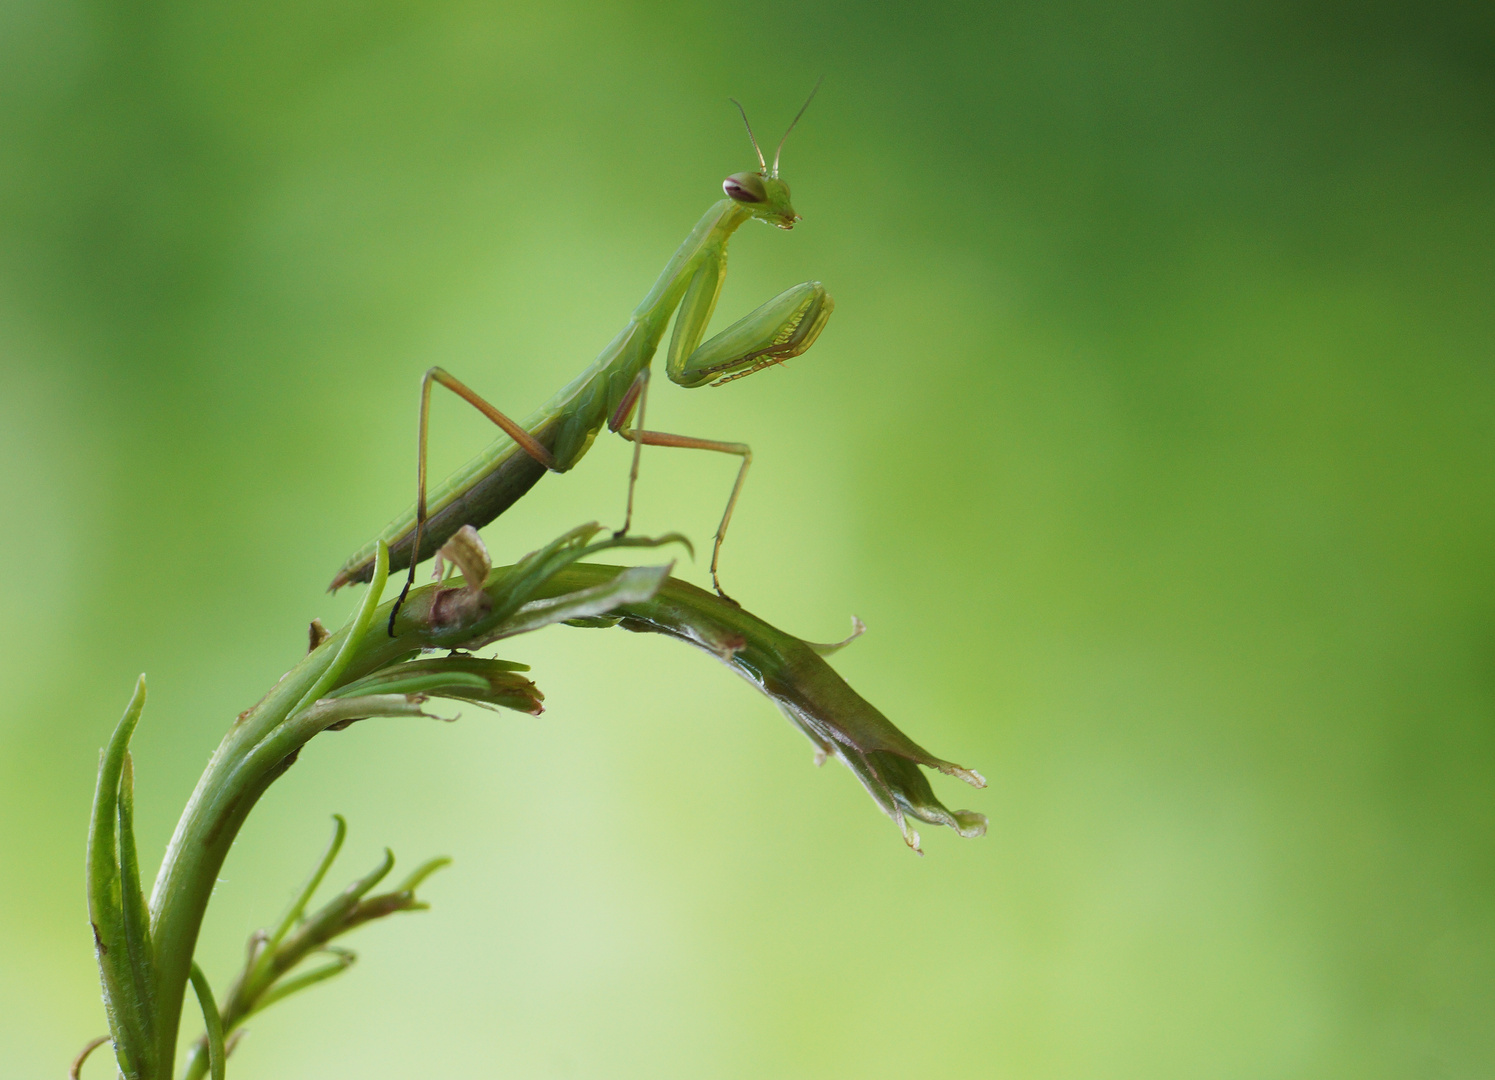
[(615, 386)]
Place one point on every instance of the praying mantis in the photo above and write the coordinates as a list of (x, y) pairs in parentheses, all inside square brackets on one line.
[(614, 388)]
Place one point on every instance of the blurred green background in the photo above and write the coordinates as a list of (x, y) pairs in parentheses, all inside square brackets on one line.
[(1153, 437)]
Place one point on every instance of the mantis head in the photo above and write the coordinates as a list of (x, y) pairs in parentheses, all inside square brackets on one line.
[(764, 196), (762, 193)]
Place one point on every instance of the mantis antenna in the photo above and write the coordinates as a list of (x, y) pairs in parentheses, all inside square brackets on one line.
[(761, 163), (797, 115)]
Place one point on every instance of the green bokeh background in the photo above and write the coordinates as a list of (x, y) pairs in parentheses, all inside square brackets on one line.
[(1153, 437)]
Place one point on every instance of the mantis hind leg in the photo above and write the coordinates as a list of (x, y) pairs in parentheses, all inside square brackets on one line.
[(526, 442)]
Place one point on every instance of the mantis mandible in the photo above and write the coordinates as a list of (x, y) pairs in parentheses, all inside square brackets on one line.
[(615, 387)]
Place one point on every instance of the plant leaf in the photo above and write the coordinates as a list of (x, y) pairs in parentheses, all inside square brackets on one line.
[(286, 987), (211, 1020), (835, 718), (298, 906), (521, 582), (125, 993), (358, 626), (631, 586), (462, 678), (137, 923)]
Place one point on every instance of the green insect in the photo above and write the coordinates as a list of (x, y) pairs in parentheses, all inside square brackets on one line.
[(615, 387)]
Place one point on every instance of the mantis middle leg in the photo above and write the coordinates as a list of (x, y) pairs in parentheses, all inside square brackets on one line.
[(619, 422)]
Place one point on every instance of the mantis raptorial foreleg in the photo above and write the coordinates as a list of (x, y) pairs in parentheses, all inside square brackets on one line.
[(777, 331)]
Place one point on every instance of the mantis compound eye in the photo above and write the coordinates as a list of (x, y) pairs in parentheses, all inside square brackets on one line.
[(745, 187)]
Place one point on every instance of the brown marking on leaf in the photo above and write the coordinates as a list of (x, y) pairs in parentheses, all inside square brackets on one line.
[(207, 841), (316, 633), (454, 607)]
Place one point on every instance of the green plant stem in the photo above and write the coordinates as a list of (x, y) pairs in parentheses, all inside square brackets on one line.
[(264, 742)]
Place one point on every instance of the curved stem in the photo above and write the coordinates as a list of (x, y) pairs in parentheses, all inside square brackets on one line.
[(222, 800), (266, 740)]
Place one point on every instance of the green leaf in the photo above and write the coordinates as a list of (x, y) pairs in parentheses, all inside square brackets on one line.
[(298, 906), (211, 1020), (424, 870), (358, 626), (127, 987), (267, 975), (338, 713), (630, 586), (520, 584), (321, 927), (286, 987), (462, 678), (835, 718), (137, 923)]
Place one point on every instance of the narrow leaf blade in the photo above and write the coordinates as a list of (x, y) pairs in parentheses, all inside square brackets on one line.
[(211, 1020), (127, 1012), (136, 917)]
